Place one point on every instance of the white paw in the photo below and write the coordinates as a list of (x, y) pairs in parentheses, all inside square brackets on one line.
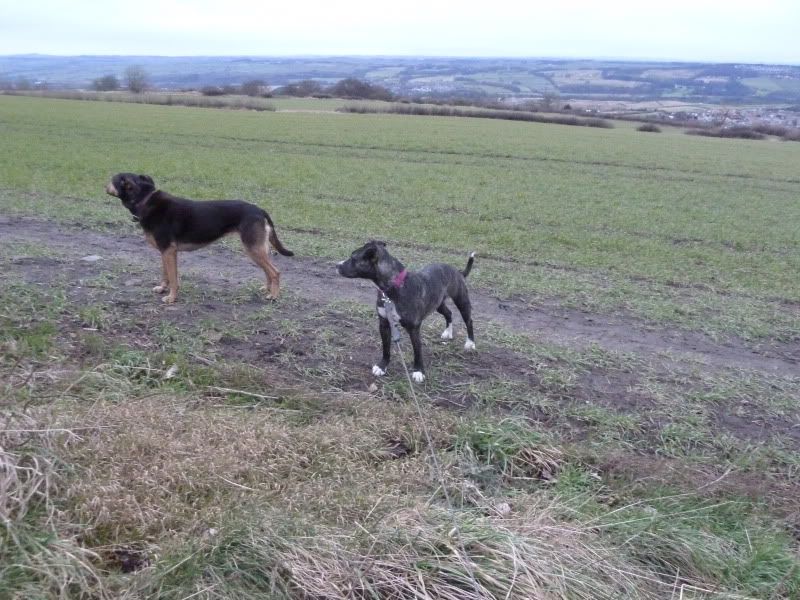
[(447, 334), (170, 299), (377, 371), (418, 376), (160, 289), (469, 345)]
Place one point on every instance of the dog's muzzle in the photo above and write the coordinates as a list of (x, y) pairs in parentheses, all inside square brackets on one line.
[(111, 190)]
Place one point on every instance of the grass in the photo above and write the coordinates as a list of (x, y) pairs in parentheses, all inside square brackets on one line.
[(593, 198), (229, 448)]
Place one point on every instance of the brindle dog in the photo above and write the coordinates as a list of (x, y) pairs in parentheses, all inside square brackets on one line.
[(414, 295)]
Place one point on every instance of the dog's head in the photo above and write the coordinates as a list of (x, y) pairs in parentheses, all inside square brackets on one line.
[(363, 263), (131, 189)]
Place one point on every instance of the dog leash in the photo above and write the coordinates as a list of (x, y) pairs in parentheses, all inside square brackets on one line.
[(390, 310), (391, 315)]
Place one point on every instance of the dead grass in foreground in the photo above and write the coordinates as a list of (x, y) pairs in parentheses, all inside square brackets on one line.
[(119, 489)]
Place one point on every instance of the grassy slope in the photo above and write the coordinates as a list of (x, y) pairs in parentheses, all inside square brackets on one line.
[(296, 490)]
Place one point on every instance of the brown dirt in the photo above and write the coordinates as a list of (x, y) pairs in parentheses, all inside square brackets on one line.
[(779, 494)]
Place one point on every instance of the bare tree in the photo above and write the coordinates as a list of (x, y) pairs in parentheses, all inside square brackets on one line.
[(549, 100), (307, 87), (106, 83), (355, 88), (254, 87), (136, 78)]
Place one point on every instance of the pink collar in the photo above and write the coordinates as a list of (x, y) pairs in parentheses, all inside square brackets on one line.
[(399, 279)]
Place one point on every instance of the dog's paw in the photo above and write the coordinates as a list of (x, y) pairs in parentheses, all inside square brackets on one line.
[(160, 289), (377, 371), (418, 376), (447, 334), (469, 346), (169, 299)]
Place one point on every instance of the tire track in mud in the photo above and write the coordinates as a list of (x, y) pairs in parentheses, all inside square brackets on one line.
[(316, 279)]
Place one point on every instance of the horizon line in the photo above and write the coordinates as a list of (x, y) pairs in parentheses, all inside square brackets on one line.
[(415, 56)]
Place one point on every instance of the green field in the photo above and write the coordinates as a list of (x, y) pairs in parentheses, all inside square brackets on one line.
[(765, 85), (697, 232), (628, 428)]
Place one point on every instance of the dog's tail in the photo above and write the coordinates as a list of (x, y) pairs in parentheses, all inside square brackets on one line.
[(468, 268), (273, 237)]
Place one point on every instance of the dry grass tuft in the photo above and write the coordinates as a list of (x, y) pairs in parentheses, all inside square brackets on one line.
[(154, 466), (37, 554), (411, 554)]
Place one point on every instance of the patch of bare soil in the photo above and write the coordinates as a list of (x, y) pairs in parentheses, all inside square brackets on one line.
[(757, 427), (781, 495), (126, 559)]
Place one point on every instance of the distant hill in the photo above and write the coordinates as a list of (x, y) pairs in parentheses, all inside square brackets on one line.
[(488, 78)]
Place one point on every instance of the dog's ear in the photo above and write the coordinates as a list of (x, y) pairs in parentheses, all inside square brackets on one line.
[(371, 254)]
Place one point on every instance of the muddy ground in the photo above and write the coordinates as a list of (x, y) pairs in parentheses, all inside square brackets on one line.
[(320, 334)]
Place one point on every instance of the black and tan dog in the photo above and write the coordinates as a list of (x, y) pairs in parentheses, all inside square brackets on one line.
[(414, 296), (174, 224)]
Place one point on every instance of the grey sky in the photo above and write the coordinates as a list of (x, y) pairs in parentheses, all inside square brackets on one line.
[(713, 30)]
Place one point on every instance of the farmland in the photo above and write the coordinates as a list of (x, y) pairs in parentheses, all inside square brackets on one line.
[(435, 77), (628, 428)]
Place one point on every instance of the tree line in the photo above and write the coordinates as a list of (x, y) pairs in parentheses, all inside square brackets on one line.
[(136, 80)]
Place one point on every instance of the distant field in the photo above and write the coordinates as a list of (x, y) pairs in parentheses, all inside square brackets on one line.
[(670, 73), (627, 428), (765, 85)]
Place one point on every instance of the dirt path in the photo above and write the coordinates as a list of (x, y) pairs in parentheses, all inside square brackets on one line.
[(317, 280)]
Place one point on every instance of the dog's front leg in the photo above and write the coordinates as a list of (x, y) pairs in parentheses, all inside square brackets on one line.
[(164, 285), (416, 343), (171, 261), (386, 344)]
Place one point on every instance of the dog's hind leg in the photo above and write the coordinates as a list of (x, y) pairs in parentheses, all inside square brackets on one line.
[(254, 239), (386, 345), (447, 334), (465, 308), (260, 256)]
